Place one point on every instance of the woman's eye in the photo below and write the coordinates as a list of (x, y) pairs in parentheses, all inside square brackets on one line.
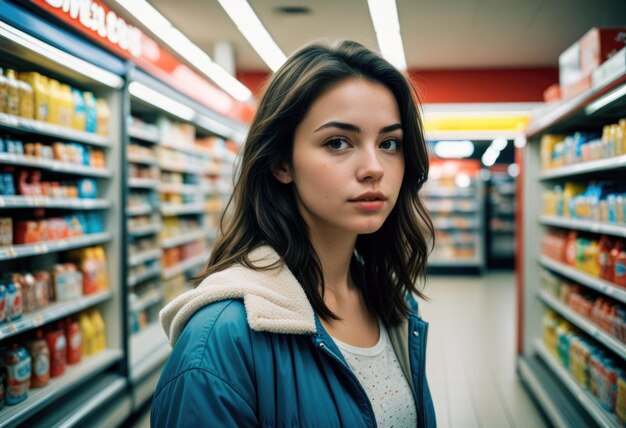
[(337, 144), (390, 145)]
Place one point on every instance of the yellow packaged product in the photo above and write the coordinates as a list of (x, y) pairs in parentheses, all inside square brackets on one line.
[(4, 92), (590, 259), (103, 114), (570, 191), (620, 401), (100, 256), (100, 341), (27, 100), (89, 334), (41, 94), (79, 118), (550, 322), (55, 101), (13, 92), (66, 108), (548, 142), (621, 145)]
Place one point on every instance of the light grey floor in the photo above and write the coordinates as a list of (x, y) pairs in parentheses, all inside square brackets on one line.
[(471, 353)]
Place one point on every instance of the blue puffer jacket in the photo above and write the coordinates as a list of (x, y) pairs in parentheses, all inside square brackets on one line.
[(249, 351)]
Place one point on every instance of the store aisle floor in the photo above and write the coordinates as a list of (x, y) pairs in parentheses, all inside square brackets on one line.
[(471, 353)]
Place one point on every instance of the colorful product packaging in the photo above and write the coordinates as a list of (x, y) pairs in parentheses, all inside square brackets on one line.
[(17, 364), (40, 355)]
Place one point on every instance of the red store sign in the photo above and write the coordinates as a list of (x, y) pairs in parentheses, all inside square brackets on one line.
[(98, 22)]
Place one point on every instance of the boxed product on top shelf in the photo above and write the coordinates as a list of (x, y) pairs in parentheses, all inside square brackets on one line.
[(31, 95), (589, 365), (602, 257), (31, 360), (599, 201), (561, 150)]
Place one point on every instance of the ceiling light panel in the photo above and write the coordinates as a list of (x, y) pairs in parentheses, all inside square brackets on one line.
[(384, 15), (248, 23)]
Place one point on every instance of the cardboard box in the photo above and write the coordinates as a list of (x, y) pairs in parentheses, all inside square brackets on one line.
[(577, 62)]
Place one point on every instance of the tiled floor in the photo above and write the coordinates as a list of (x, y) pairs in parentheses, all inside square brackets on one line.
[(471, 354)]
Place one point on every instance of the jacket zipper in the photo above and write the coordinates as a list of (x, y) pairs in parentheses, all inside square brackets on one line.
[(421, 376), (331, 354)]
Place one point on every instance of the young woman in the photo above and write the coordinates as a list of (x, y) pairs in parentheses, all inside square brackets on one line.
[(306, 315)]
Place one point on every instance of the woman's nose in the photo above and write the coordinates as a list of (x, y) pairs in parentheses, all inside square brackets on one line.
[(371, 168)]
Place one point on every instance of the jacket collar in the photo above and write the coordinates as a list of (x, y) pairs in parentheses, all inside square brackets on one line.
[(274, 299)]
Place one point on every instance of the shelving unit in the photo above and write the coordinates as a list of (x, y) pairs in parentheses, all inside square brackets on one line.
[(537, 368), (19, 52), (176, 229), (501, 217), (458, 214)]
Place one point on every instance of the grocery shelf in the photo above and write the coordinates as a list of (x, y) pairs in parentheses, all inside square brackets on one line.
[(47, 247), (145, 230), (179, 167), (182, 238), (149, 348), (449, 193), (179, 188), (144, 276), (140, 210), (454, 208), (15, 123), (47, 202), (56, 388), (151, 298), (184, 148), (611, 290), (145, 160), (144, 256), (442, 224), (144, 183), (52, 312), (585, 225), (181, 209), (144, 135), (600, 165), (584, 324), (584, 398), (52, 165), (184, 266)]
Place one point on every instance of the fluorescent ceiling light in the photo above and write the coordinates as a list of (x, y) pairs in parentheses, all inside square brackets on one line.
[(387, 27), (606, 99), (250, 26), (161, 101), (171, 36), (454, 149), (490, 156), (463, 180), (61, 58), (499, 144)]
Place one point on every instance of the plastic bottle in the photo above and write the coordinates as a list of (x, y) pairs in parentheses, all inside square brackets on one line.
[(14, 300), (100, 341), (619, 275), (40, 354), (103, 113), (58, 350), (88, 334), (13, 100), (79, 117), (604, 258), (103, 279), (27, 100), (74, 340), (17, 363), (54, 101)]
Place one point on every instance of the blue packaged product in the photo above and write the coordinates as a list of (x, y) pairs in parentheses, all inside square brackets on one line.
[(91, 117), (3, 303), (86, 155), (15, 300), (19, 148), (9, 185), (95, 223), (3, 147), (87, 188), (17, 363)]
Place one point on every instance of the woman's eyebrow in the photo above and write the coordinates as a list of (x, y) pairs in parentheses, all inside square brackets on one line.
[(353, 128)]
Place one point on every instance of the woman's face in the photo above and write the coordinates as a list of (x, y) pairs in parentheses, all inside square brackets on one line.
[(348, 163)]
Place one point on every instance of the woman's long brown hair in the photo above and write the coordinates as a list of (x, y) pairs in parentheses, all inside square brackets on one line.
[(262, 211)]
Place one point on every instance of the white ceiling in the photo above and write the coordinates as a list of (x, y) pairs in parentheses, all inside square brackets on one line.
[(436, 33)]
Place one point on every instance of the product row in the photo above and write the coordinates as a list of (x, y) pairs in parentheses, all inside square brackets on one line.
[(69, 153), (560, 150), (598, 201), (604, 258), (31, 362), (593, 368), (39, 229), (32, 95), (35, 183)]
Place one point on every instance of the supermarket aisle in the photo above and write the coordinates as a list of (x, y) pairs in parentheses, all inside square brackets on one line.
[(471, 353)]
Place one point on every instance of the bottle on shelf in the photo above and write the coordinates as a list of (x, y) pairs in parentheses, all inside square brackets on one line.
[(13, 100), (40, 354)]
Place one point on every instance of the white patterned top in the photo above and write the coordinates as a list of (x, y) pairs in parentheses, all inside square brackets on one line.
[(381, 376)]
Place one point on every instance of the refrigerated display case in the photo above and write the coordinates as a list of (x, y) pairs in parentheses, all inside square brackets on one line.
[(571, 285)]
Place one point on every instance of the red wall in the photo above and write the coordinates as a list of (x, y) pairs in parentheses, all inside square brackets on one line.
[(462, 86)]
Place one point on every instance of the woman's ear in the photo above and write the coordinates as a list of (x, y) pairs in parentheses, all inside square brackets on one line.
[(282, 173)]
